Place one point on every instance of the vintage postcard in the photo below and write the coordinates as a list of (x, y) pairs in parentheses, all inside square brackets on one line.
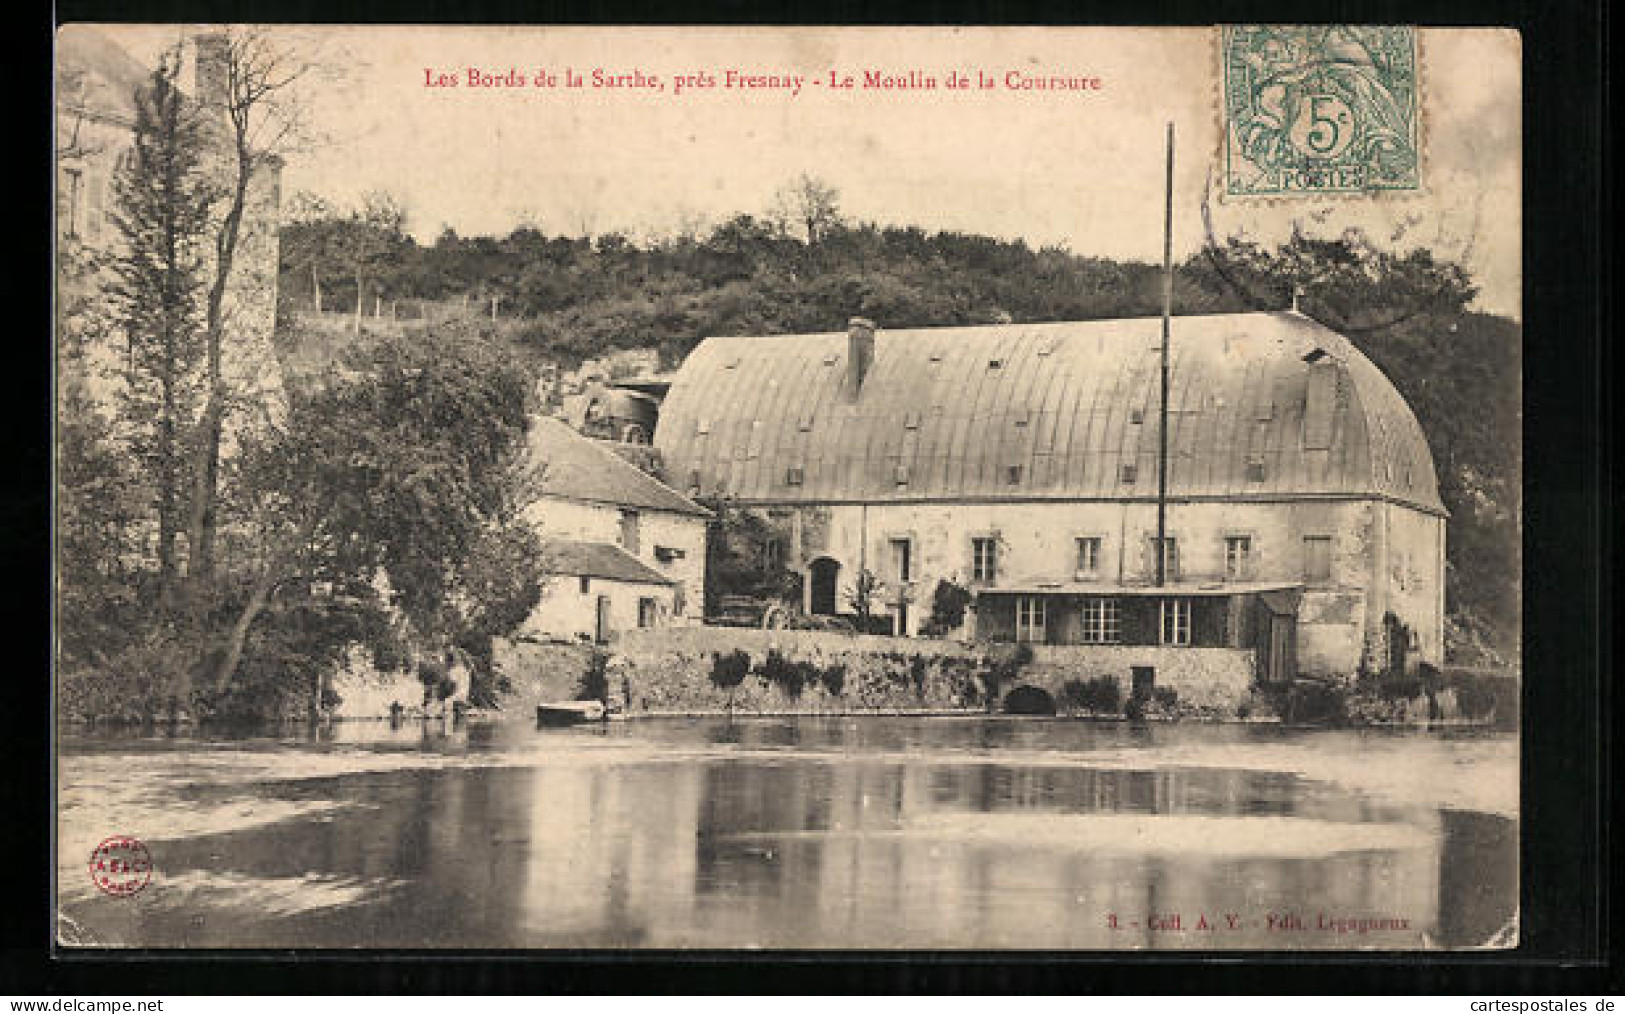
[(788, 488)]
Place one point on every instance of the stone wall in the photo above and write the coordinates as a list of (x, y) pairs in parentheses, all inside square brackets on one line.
[(663, 671), (670, 671), (538, 671), (1216, 681)]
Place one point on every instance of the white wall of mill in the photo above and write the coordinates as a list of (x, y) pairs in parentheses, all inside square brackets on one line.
[(583, 522), (1411, 575), (1037, 544), (567, 612)]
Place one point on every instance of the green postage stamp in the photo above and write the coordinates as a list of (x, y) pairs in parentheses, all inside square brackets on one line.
[(1320, 109)]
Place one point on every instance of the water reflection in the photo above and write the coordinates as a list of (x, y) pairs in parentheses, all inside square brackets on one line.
[(792, 834)]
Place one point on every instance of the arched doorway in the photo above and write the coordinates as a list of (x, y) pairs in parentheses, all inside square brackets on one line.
[(1029, 700), (825, 578)]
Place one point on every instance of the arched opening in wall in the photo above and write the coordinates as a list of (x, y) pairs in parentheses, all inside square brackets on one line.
[(1029, 700), (825, 575)]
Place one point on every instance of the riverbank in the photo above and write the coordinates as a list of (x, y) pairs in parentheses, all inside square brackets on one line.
[(718, 671)]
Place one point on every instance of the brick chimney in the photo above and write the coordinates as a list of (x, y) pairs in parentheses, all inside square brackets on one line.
[(860, 354), (209, 68)]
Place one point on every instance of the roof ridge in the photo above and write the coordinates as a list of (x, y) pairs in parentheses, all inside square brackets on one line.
[(883, 330), (636, 474)]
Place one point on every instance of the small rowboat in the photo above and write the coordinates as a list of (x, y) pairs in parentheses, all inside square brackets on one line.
[(570, 713)]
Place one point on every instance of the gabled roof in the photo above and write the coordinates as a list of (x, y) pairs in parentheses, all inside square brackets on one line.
[(1046, 411), (574, 467), (598, 559), (96, 73)]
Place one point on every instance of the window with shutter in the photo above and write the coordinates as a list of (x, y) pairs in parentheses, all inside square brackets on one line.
[(1317, 559)]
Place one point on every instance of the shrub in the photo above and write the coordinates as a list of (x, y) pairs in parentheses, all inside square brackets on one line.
[(1318, 703), (834, 679), (917, 669), (1101, 694), (948, 604), (730, 670), (788, 676)]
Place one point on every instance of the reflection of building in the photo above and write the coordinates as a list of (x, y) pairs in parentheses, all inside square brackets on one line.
[(621, 549), (1021, 463)]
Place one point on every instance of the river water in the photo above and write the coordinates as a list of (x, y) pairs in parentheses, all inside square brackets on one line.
[(797, 833)]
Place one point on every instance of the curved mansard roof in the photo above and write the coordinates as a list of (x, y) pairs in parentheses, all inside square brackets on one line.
[(1067, 403)]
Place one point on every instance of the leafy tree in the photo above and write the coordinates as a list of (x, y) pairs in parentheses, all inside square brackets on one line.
[(163, 202), (948, 604), (397, 470), (744, 556)]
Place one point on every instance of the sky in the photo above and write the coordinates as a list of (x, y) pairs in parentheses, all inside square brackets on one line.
[(1081, 168)]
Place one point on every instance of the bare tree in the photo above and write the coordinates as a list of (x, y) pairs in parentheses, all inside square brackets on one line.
[(866, 591), (807, 203), (263, 119)]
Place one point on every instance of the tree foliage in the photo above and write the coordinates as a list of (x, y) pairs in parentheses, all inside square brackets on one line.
[(397, 471), (163, 202)]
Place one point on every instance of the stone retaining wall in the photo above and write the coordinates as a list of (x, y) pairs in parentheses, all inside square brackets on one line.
[(1205, 680), (670, 670)]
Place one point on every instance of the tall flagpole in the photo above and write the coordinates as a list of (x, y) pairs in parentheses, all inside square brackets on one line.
[(1167, 312)]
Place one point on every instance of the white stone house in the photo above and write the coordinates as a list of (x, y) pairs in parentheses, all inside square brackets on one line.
[(1020, 462), (621, 549)]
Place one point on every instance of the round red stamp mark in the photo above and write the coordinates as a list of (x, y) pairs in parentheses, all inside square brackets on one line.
[(121, 866)]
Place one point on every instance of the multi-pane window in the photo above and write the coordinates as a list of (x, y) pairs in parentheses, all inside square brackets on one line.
[(1089, 556), (1030, 619), (1238, 552), (1100, 621), (648, 612), (984, 558), (772, 555), (1176, 621), (1170, 557), (1317, 559)]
